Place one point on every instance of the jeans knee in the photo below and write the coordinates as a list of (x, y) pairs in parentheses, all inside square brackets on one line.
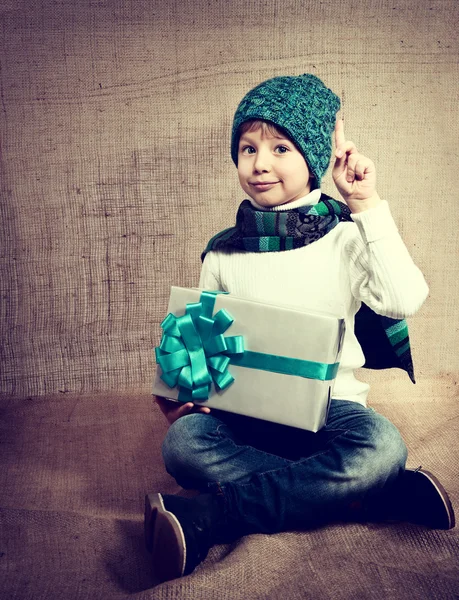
[(175, 447), (375, 452), (184, 445), (388, 452)]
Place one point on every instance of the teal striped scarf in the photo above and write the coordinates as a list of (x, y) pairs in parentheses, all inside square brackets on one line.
[(384, 341)]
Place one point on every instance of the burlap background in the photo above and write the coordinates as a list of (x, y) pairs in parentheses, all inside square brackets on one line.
[(114, 172), (115, 167)]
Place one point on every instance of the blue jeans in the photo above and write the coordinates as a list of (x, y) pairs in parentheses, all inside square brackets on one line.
[(275, 478)]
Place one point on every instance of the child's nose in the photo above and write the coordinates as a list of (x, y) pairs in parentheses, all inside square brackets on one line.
[(261, 163)]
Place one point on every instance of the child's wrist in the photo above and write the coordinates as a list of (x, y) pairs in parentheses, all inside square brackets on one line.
[(357, 205)]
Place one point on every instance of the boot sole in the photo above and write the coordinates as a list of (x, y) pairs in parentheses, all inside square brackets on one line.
[(443, 494), (164, 539)]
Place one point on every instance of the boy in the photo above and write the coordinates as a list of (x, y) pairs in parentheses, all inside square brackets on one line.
[(258, 477)]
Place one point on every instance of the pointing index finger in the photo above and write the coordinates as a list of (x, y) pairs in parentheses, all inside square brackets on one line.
[(340, 138)]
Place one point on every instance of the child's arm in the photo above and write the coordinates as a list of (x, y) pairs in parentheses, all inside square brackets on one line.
[(382, 272)]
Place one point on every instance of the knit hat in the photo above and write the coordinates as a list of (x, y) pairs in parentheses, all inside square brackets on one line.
[(303, 107)]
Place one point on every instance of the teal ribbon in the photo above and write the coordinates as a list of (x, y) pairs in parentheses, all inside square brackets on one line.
[(194, 353), (286, 365)]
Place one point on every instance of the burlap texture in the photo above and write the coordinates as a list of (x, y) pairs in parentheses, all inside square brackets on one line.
[(114, 172)]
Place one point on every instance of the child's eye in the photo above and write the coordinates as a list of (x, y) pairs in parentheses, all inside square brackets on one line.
[(281, 149), (248, 150)]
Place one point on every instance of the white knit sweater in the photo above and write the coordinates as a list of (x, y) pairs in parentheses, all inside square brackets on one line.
[(364, 260)]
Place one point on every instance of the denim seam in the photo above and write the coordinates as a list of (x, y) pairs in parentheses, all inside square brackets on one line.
[(303, 460), (289, 465)]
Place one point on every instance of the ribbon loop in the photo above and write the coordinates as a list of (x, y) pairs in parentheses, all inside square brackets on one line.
[(223, 380), (235, 344), (169, 325), (223, 321), (215, 345), (171, 344), (205, 326), (177, 360), (219, 363), (191, 350), (194, 310)]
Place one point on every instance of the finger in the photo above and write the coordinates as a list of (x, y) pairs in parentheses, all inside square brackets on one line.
[(340, 138), (362, 167), (351, 164), (201, 408), (357, 165), (185, 409), (343, 153), (344, 161), (346, 148)]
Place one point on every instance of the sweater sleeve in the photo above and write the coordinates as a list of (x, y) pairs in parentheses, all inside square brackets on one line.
[(210, 277), (382, 272)]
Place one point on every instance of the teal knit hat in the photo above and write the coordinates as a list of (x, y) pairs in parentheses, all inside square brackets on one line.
[(303, 107)]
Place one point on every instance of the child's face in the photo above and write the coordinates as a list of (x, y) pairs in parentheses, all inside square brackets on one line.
[(271, 170)]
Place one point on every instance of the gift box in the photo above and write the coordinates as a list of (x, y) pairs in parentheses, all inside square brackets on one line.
[(270, 362)]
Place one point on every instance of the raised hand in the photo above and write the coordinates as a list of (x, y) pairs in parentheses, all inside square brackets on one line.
[(353, 173)]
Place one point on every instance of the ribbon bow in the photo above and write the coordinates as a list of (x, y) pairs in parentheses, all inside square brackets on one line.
[(193, 351)]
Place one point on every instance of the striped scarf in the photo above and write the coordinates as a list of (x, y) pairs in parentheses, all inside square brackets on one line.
[(384, 341)]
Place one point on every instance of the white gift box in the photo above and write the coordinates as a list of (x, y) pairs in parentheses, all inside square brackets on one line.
[(311, 343)]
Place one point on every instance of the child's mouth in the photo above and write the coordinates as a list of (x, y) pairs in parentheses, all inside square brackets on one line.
[(262, 186)]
